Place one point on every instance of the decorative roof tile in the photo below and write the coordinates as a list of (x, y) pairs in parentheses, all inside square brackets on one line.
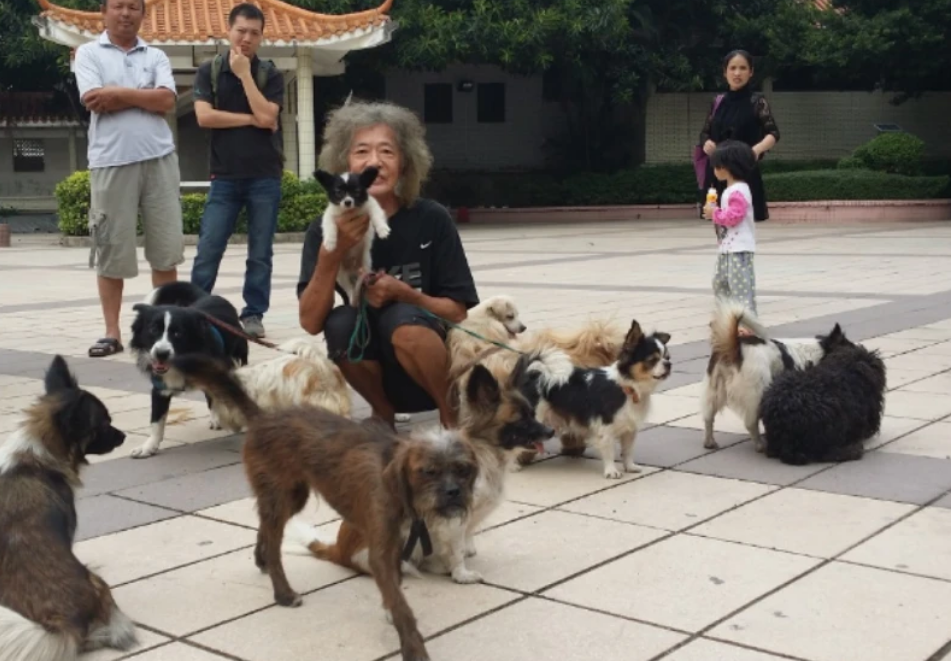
[(207, 20)]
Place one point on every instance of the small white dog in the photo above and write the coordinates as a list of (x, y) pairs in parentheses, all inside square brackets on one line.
[(345, 192)]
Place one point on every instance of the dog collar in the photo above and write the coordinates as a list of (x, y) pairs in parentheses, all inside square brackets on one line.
[(418, 532), (630, 392)]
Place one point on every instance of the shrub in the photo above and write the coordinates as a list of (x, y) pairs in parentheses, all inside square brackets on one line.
[(850, 163), (301, 202), (72, 201), (850, 185), (897, 153)]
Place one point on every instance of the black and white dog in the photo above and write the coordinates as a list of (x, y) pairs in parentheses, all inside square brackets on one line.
[(174, 320), (741, 367), (827, 412), (605, 406), (345, 192)]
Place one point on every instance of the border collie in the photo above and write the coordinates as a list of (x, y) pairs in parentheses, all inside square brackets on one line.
[(174, 320)]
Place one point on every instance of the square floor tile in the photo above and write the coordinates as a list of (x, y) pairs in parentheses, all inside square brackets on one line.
[(127, 472), (244, 513), (102, 515), (553, 481), (888, 476), (665, 446), (670, 500), (132, 554), (665, 407), (742, 461), (899, 378), (683, 582), (844, 612), (147, 640), (944, 501), (931, 441), (196, 491), (921, 544), (506, 512), (709, 650), (808, 522), (568, 634), (892, 428), (202, 595), (551, 546), (939, 384), (917, 405), (346, 623), (174, 652)]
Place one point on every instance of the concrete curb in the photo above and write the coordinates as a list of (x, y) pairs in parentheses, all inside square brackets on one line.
[(190, 239)]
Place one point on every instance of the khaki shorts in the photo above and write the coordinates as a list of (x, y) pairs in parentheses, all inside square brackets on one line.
[(119, 194)]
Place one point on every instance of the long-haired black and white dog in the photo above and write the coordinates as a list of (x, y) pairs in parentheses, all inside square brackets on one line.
[(828, 411), (605, 406), (348, 191), (174, 320)]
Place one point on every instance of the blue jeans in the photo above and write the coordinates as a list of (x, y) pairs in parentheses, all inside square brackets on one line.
[(226, 197)]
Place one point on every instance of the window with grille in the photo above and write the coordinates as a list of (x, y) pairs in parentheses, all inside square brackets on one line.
[(29, 156), (490, 105), (437, 103)]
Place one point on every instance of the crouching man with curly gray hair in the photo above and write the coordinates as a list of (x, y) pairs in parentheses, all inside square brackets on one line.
[(405, 366)]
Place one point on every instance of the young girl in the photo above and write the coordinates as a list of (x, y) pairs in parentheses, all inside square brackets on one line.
[(733, 162)]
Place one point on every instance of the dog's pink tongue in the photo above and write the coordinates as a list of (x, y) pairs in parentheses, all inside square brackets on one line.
[(539, 447)]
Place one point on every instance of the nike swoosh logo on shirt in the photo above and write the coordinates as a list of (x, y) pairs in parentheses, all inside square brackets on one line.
[(423, 246)]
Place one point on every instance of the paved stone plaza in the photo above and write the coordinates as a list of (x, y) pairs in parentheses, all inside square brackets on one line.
[(705, 556)]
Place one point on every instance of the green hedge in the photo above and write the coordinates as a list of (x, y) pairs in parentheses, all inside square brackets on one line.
[(675, 184), (301, 202), (851, 185)]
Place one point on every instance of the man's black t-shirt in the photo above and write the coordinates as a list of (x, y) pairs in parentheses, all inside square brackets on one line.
[(243, 152), (423, 250)]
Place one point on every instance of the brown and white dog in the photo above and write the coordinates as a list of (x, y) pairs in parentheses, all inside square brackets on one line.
[(596, 343), (51, 606), (382, 485), (498, 422), (302, 375)]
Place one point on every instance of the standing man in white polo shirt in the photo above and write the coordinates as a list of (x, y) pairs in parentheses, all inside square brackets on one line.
[(128, 87)]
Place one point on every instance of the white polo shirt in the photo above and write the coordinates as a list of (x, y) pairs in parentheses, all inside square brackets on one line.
[(132, 135)]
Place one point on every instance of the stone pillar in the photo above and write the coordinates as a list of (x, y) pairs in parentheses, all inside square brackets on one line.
[(73, 159), (289, 124), (306, 136)]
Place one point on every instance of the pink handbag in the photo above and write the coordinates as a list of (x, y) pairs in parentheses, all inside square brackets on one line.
[(700, 158)]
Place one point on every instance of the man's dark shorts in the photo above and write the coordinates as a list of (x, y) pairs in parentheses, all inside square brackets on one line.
[(404, 393)]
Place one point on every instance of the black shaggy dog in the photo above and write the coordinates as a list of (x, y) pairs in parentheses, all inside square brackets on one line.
[(826, 412)]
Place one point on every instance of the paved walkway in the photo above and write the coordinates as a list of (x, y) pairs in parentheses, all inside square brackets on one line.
[(705, 556)]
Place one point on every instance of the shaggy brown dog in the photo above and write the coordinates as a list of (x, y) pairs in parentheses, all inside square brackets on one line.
[(379, 483), (51, 606), (499, 421)]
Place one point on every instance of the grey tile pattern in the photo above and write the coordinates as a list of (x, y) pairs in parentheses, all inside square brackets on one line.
[(888, 476), (106, 514), (652, 520)]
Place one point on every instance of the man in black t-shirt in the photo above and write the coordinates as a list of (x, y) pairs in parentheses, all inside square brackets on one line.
[(405, 365), (241, 106)]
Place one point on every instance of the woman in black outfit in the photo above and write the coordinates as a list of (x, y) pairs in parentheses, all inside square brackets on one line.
[(741, 115)]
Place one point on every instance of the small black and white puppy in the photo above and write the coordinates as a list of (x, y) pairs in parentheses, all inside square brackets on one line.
[(347, 191), (828, 411), (605, 406), (174, 320)]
